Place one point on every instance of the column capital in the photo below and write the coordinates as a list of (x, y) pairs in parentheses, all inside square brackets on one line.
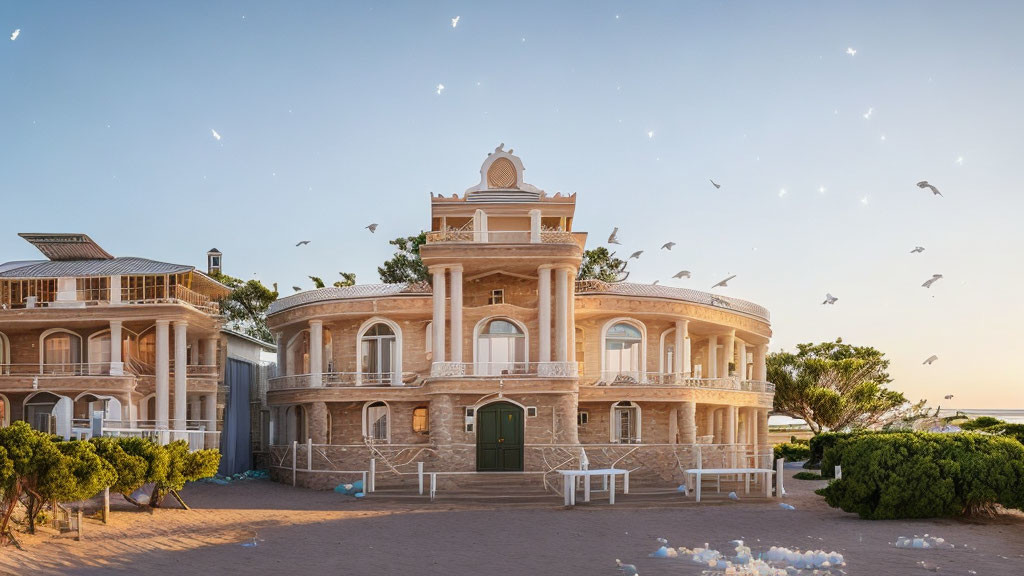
[(454, 267), (316, 323), (439, 268), (683, 321), (163, 322), (115, 322), (181, 323), (545, 267)]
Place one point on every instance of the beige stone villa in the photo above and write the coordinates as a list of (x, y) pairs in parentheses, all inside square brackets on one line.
[(136, 340), (505, 362)]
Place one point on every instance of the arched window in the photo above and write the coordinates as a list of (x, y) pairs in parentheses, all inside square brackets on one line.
[(623, 353), (62, 352), (298, 354), (49, 413), (378, 354), (5, 354), (625, 426), (421, 420), (375, 422), (500, 348), (99, 353)]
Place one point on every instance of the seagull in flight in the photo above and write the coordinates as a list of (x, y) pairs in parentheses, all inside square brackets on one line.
[(302, 243), (830, 299), (947, 397), (924, 184), (851, 51), (917, 250), (867, 115), (455, 21), (614, 238), (930, 359), (717, 186), (296, 288), (724, 283), (440, 88), (372, 227), (216, 136), (14, 35), (682, 274), (935, 278), (667, 245), (635, 255)]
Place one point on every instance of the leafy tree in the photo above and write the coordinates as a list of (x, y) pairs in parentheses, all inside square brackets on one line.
[(183, 466), (132, 468), (981, 422), (246, 306), (405, 265), (833, 386), (318, 282), (347, 279), (599, 264)]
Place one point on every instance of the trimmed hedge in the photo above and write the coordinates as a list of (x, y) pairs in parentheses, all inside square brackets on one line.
[(924, 475), (791, 452), (807, 476)]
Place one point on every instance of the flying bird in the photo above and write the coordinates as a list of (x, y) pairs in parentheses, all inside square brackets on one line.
[(917, 250), (935, 278), (614, 238), (296, 288), (717, 186), (924, 184), (682, 274), (635, 255), (724, 283), (440, 88), (626, 569), (302, 243), (948, 397), (667, 245), (455, 21), (867, 115), (216, 136), (372, 227), (830, 299), (930, 359), (851, 51), (14, 35)]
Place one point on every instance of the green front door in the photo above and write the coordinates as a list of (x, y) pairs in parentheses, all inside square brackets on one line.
[(499, 438)]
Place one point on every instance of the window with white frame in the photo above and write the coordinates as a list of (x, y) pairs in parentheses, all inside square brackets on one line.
[(378, 354), (377, 422), (62, 352), (622, 352), (501, 349), (497, 297), (625, 423)]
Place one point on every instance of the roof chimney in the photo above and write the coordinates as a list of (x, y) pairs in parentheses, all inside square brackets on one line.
[(213, 265)]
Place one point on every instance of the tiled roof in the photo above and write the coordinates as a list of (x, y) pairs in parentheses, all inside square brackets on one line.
[(346, 293), (66, 246), (78, 268), (684, 294)]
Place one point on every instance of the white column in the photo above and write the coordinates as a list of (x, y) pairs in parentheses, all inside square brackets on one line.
[(561, 307), (534, 226), (544, 312), (456, 335), (282, 354), (115, 289), (728, 353), (210, 411), (316, 353), (687, 359), (761, 362), (480, 226), (571, 313), (753, 417), (163, 376), (741, 359), (210, 351), (677, 352), (730, 424), (712, 357), (180, 374), (439, 296), (116, 364)]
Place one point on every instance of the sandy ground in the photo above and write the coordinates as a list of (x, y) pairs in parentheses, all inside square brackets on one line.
[(304, 532)]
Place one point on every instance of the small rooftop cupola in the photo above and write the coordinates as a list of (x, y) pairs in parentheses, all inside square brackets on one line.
[(213, 264), (501, 180)]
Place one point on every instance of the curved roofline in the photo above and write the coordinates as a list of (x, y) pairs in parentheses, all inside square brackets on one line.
[(122, 266)]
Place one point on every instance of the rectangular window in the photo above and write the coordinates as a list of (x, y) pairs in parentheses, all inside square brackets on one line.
[(469, 419), (420, 420), (531, 411), (497, 297), (582, 418), (96, 289)]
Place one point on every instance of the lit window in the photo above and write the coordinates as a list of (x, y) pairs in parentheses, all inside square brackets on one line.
[(421, 420)]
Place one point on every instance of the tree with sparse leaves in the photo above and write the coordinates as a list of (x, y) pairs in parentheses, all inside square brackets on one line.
[(246, 306), (599, 264), (833, 386), (405, 266)]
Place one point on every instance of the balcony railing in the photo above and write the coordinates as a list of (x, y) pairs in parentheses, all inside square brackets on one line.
[(336, 380), (654, 379), (499, 236), (57, 369), (202, 371), (176, 294), (503, 369)]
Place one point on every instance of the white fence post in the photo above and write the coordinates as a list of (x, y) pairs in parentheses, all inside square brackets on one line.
[(419, 474), (839, 472), (373, 476), (295, 450), (779, 489), (309, 454)]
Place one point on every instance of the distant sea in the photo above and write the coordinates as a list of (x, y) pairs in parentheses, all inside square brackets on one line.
[(1013, 416)]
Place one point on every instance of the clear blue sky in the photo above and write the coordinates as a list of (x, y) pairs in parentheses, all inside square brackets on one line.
[(330, 119)]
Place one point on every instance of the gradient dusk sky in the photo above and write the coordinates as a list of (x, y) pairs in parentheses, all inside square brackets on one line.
[(330, 119)]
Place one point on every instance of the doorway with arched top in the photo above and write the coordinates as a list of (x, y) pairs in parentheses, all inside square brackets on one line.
[(499, 438)]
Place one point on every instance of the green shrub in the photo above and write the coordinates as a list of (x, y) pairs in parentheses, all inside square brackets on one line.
[(132, 469), (792, 452), (1015, 431), (807, 476), (923, 475), (184, 466), (981, 422)]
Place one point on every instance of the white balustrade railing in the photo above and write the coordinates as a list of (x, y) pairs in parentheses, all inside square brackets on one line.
[(503, 369), (58, 369), (336, 380)]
